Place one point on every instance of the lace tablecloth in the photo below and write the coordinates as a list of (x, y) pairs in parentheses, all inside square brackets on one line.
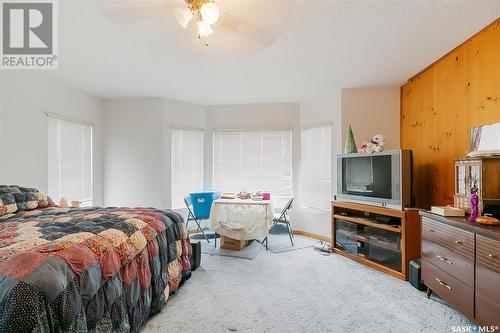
[(241, 219)]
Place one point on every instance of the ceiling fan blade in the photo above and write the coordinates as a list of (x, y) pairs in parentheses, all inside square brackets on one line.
[(127, 16), (133, 11), (248, 30)]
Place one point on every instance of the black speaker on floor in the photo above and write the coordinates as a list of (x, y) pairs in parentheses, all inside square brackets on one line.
[(195, 259), (415, 277)]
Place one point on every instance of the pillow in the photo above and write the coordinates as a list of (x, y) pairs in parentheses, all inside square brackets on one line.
[(8, 203), (16, 198)]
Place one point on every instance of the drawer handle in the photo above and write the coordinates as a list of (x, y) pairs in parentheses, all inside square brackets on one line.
[(443, 284), (430, 230), (444, 259), (458, 242), (492, 256)]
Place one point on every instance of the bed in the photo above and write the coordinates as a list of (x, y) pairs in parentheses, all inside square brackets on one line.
[(85, 269)]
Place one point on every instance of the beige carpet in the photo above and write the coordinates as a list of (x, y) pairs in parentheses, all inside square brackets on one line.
[(299, 291)]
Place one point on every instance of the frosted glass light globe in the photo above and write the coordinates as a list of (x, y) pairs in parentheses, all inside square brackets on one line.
[(204, 29), (183, 16), (209, 12)]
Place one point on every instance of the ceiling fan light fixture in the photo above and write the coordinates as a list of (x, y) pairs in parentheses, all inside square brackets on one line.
[(204, 29), (209, 12), (183, 16)]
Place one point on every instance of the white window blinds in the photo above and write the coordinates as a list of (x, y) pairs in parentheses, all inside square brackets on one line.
[(70, 161), (187, 164), (252, 161), (315, 175)]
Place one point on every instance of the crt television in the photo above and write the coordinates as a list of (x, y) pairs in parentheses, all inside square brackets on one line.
[(379, 179)]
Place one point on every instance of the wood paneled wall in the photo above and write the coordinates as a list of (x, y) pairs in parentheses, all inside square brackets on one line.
[(441, 104)]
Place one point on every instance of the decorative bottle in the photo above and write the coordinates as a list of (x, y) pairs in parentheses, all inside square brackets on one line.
[(474, 202)]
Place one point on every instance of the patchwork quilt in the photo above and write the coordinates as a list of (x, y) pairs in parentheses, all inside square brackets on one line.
[(88, 269)]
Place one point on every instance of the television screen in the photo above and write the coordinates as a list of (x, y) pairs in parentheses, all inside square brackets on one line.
[(369, 176)]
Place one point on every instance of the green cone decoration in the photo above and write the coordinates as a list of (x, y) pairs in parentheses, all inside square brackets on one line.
[(350, 144)]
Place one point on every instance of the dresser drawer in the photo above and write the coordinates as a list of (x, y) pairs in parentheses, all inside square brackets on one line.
[(488, 253), (456, 240), (487, 312), (488, 283), (453, 291), (460, 267)]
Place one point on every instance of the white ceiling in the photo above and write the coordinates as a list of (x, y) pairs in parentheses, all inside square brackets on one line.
[(308, 49)]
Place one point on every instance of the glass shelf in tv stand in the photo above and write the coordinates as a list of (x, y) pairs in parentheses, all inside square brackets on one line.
[(376, 242)]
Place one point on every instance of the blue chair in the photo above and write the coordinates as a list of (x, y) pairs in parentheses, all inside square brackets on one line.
[(199, 205)]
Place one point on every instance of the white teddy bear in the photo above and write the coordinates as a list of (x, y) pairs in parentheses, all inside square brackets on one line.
[(376, 144)]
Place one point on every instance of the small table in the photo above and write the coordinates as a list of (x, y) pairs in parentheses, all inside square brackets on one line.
[(241, 219)]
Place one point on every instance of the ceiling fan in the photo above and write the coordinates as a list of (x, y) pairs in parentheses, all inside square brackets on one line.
[(204, 16), (205, 12)]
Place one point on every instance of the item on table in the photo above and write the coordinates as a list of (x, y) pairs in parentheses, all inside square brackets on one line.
[(448, 211), (75, 204), (244, 195), (228, 195), (474, 202), (266, 195), (63, 202), (257, 196), (488, 220), (485, 140)]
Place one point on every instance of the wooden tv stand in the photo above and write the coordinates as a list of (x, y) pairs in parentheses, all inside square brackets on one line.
[(381, 238)]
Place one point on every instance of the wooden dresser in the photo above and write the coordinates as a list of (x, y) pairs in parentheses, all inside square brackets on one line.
[(461, 263)]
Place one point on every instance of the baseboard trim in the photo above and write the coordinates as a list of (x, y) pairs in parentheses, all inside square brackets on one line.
[(311, 235)]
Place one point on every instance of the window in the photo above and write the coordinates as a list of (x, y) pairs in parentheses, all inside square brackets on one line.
[(70, 161), (315, 174), (187, 164), (252, 161)]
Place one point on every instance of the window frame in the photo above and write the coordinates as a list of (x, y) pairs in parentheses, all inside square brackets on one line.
[(202, 160), (62, 118), (288, 131)]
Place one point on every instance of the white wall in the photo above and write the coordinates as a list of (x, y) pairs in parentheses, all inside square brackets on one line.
[(370, 111), (133, 150), (253, 116), (321, 111), (26, 96), (138, 148), (177, 114), (138, 142)]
